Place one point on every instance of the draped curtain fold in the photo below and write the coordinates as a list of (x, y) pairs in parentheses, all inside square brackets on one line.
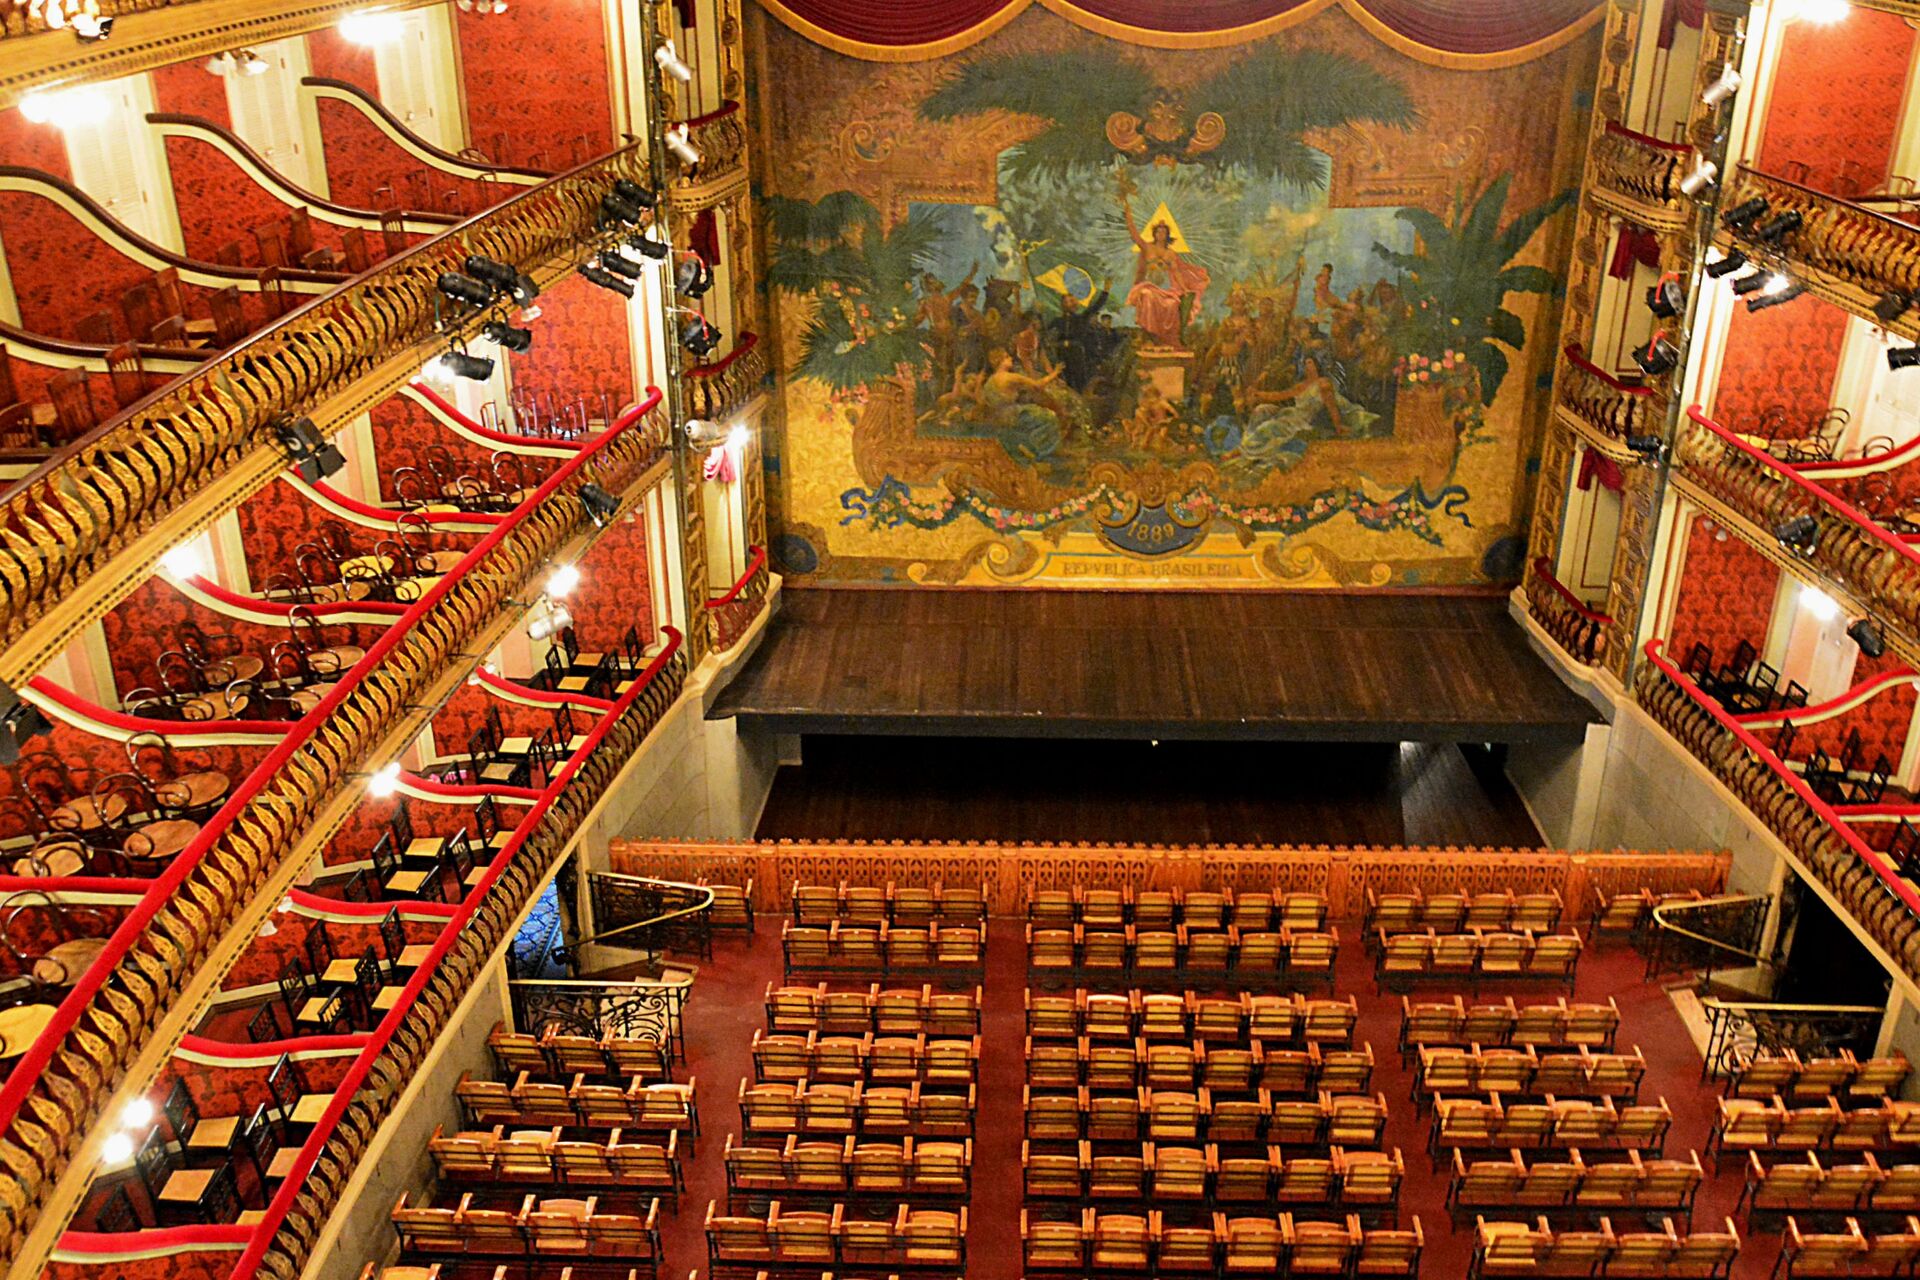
[(1466, 27)]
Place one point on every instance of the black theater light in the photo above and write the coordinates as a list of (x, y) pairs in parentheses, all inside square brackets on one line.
[(1754, 281), (692, 278), (1666, 298), (1776, 297), (601, 506), (19, 721), (621, 265), (504, 334), (314, 457), (646, 244), (1867, 636), (1652, 448), (617, 212), (1902, 357), (472, 367), (699, 335), (606, 280), (1726, 264), (463, 289), (1798, 534), (634, 194), (1746, 213), (1892, 305), (502, 278), (1658, 357), (1779, 228)]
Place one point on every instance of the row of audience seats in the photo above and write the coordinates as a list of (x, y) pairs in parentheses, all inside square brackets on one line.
[(1629, 912), (1771, 1128), (527, 1103), (1492, 1124), (732, 908), (916, 1168), (1242, 1018), (1093, 1242), (893, 1011), (948, 952), (1197, 909), (1220, 1068), (1572, 1186), (779, 1108), (911, 1237), (1843, 1076), (874, 1059), (1154, 1115), (1517, 1250), (1411, 911), (1363, 1182), (900, 905), (545, 1160), (559, 1227), (1525, 1073), (1454, 1023), (1807, 1186), (1850, 1251), (553, 1055), (1474, 957), (1183, 957)]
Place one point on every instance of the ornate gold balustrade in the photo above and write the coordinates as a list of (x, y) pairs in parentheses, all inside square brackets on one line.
[(715, 391), (1580, 631), (286, 1238), (1860, 878), (1876, 568), (84, 528), (1638, 177), (721, 139), (126, 1014), (1601, 408), (1843, 252), (731, 613)]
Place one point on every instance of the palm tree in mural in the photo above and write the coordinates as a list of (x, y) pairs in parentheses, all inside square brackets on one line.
[(1460, 274), (861, 276)]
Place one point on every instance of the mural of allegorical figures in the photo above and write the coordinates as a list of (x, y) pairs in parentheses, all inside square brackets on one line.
[(1166, 323)]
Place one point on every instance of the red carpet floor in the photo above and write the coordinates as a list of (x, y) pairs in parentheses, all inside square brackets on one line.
[(726, 1009)]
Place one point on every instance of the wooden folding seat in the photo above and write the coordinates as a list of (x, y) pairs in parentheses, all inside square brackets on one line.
[(1172, 1115), (855, 948), (1055, 1246), (1177, 1174), (575, 1055), (1430, 1023), (516, 1051), (663, 1106), (1355, 1120), (1591, 1026), (1296, 1124), (1054, 1116), (780, 1057), (1763, 1076), (934, 1239), (1455, 956), (1389, 913), (1165, 1066), (815, 904), (1553, 955), (1547, 1183), (1122, 1243), (1191, 1249), (493, 1232), (846, 1013), (829, 1108), (1103, 907), (1205, 910), (1483, 1185), (1230, 1070), (1615, 1075), (817, 1168), (1539, 1025), (1464, 1122), (1302, 911), (864, 904), (1807, 1253), (600, 1106), (899, 1011), (794, 1009), (843, 1058), (1505, 1071), (1845, 1188), (1820, 1078), (1328, 1021), (910, 947), (558, 1228), (1787, 1186), (1154, 908), (1320, 1248), (1272, 1020), (636, 1058), (1054, 908), (1050, 948), (426, 1231), (911, 906), (1157, 952), (1643, 1126), (1370, 1180), (1563, 1075), (1444, 912), (541, 1102), (803, 1238), (1898, 1191), (1744, 1124), (1243, 1121), (1503, 1249), (941, 1168), (1253, 911), (945, 1114), (1390, 1251), (465, 1157), (1536, 913), (1117, 1177), (1445, 1070), (1289, 1071), (960, 946), (1890, 1253), (1113, 1117), (1902, 1122), (1054, 1176), (1525, 1124), (1878, 1078), (754, 1169), (1243, 1179), (1311, 956), (1504, 955), (1642, 1253), (1489, 910), (1807, 1128), (1575, 1122), (1262, 956), (1220, 1019), (1250, 1246), (1490, 1022), (805, 947), (950, 1061), (961, 903), (1053, 1017), (1111, 1067), (732, 905), (880, 1169), (585, 1164), (1577, 1252), (1306, 1181), (1670, 1183), (487, 1102), (1111, 1017), (1616, 1185)]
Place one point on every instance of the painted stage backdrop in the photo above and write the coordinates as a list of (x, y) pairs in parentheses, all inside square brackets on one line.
[(1062, 308)]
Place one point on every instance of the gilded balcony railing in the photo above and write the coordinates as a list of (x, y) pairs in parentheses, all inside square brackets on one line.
[(1860, 877), (1609, 408), (245, 853), (721, 139), (399, 1045), (733, 611), (1843, 252), (1579, 630), (1842, 543), (716, 390), (164, 468), (1638, 175)]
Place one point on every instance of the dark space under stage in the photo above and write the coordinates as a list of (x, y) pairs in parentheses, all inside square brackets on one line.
[(1300, 667)]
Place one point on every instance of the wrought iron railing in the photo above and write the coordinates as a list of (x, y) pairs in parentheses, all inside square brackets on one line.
[(400, 1044), (52, 1099), (733, 611), (1579, 630), (1614, 410), (640, 913), (591, 1007), (1860, 878), (714, 391), (1842, 251), (1700, 937), (1737, 1030), (721, 139), (1845, 544), (1645, 170), (62, 527)]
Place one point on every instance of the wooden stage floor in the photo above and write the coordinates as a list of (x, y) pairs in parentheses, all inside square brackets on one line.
[(1299, 666)]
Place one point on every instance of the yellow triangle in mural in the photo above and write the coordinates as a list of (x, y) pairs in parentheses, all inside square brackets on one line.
[(1163, 214)]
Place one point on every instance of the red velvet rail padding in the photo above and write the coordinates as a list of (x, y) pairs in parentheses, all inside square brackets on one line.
[(549, 697), (1446, 26), (131, 890), (184, 731), (102, 1247), (1877, 861), (278, 609), (461, 790), (504, 438), (357, 1074), (754, 563), (319, 904), (26, 1073), (1852, 698), (387, 515)]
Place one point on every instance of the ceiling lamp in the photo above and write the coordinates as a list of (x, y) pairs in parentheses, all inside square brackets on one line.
[(370, 27), (482, 7), (1823, 13), (683, 150), (669, 60), (66, 108)]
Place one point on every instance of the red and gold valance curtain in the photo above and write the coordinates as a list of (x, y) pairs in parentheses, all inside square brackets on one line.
[(1457, 32)]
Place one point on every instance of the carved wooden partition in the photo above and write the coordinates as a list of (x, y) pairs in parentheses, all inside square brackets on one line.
[(1006, 874)]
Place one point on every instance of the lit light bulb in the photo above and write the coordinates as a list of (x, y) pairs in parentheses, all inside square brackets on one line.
[(738, 437), (184, 561), (1776, 284), (117, 1149), (1823, 12), (563, 581), (437, 372), (385, 781), (370, 27), (138, 1115), (1819, 605)]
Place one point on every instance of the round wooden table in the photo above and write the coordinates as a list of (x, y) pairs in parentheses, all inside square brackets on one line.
[(365, 567), (335, 658), (161, 839), (21, 1025), (55, 858), (240, 666), (204, 707), (89, 813), (63, 965), (193, 790)]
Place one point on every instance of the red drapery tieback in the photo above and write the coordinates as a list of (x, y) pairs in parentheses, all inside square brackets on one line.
[(1681, 13), (1451, 26), (1636, 244), (1598, 466), (703, 237)]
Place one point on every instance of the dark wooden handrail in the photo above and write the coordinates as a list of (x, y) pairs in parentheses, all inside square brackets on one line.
[(375, 106), (1544, 568), (748, 341)]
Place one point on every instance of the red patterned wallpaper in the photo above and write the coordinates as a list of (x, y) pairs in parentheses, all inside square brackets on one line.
[(33, 146), (455, 722), (362, 160), (1725, 596), (1783, 355), (517, 110), (188, 1264), (272, 523), (361, 828), (218, 203), (186, 89), (406, 435), (582, 344), (268, 957), (335, 58), (1836, 101), (614, 591), (37, 929), (40, 238)]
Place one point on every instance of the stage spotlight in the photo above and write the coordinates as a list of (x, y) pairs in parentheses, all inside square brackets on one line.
[(474, 368), (1801, 533), (1746, 213), (1902, 357), (615, 212), (505, 335), (463, 289), (1780, 228), (555, 620), (19, 721), (1892, 305), (699, 335), (703, 433), (503, 279), (1704, 175), (1771, 297), (1658, 357), (314, 457), (1726, 264), (683, 150), (692, 278), (669, 60), (647, 245), (1724, 87), (606, 280), (1652, 448), (1867, 636), (601, 506), (1666, 298), (1755, 282), (634, 194), (621, 266)]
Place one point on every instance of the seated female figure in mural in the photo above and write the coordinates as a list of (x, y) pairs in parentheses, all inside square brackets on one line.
[(1166, 287), (1313, 406)]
